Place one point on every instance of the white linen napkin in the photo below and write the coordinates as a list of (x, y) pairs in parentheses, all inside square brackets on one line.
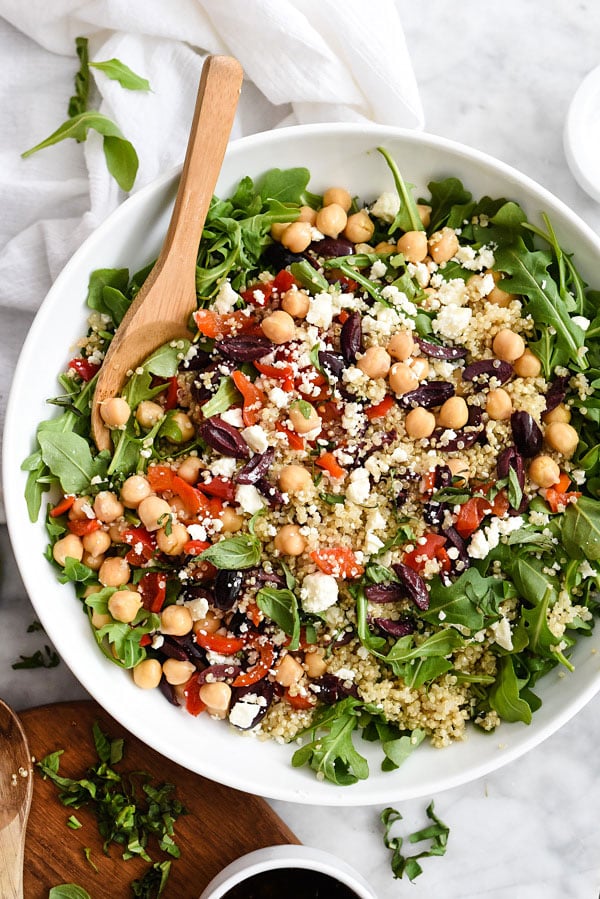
[(304, 61)]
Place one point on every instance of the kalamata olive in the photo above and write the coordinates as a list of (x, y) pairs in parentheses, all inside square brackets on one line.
[(436, 351), (433, 513), (263, 691), (187, 643), (199, 361), (481, 371), (384, 592), (351, 338), (475, 416), (195, 591), (395, 628), (511, 458), (258, 576), (218, 672), (276, 256), (556, 392), (173, 650), (427, 395), (330, 247), (168, 691), (455, 540), (256, 468), (273, 496), (526, 434), (463, 440), (442, 477), (332, 363), (243, 348), (332, 689), (224, 438), (228, 585), (414, 585)]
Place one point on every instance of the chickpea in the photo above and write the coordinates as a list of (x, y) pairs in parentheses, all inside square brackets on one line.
[(297, 237), (81, 509), (559, 413), (360, 228), (91, 589), (93, 562), (401, 346), (216, 697), (115, 412), (151, 511), (277, 229), (100, 619), (307, 214), (402, 379), (172, 543), (124, 605), (496, 295), (190, 469), (527, 366), (177, 672), (147, 674), (544, 471), (231, 520), (419, 423), (68, 547), (115, 531), (424, 214), (288, 671), (314, 663), (296, 303), (420, 367), (148, 414), (279, 327), (289, 541), (561, 437), (507, 345), (176, 621), (454, 413), (413, 246), (208, 625), (459, 467), (375, 362), (114, 572), (443, 245), (331, 220), (382, 247), (498, 405), (338, 195), (107, 507), (300, 423), (134, 490), (185, 425), (96, 543), (294, 479)]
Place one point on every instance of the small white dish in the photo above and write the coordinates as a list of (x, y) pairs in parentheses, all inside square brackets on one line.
[(581, 136), (292, 858)]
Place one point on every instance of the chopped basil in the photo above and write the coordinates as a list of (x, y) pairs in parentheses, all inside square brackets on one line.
[(234, 553), (437, 832)]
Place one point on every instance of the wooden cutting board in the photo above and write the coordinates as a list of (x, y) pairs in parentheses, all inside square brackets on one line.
[(221, 825)]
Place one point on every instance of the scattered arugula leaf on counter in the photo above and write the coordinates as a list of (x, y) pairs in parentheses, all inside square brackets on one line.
[(46, 659), (118, 71), (437, 832), (129, 810), (79, 101)]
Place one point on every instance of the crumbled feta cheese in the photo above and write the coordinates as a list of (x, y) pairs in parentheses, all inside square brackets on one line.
[(386, 206), (452, 321), (372, 543), (320, 311), (586, 570), (582, 321), (318, 592), (453, 293), (197, 532), (198, 608), (245, 711), (248, 497), (359, 488), (223, 467), (378, 270), (507, 525), (256, 438), (233, 417), (345, 674), (279, 397), (225, 299), (398, 299), (353, 419), (502, 633)]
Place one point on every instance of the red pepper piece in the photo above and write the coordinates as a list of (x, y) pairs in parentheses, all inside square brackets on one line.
[(300, 702), (295, 441), (153, 590), (339, 561), (160, 478), (195, 547), (226, 646), (221, 487), (380, 409), (84, 368), (82, 526), (471, 515), (261, 668), (254, 399), (192, 499), (171, 401), (63, 506), (559, 496), (330, 464), (432, 548), (191, 691), (143, 545)]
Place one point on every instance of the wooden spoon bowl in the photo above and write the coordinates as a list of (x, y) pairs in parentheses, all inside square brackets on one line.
[(16, 787), (162, 308)]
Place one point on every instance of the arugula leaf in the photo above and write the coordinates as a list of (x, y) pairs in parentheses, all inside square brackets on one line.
[(504, 696), (282, 607), (227, 395), (460, 602), (437, 832), (331, 752), (118, 71), (79, 101), (407, 217), (234, 553), (541, 640), (69, 458), (580, 529), (397, 745), (117, 278), (307, 276), (287, 186), (121, 158), (68, 891), (445, 196)]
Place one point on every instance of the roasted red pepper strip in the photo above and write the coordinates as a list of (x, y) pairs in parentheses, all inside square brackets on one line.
[(339, 561), (221, 487), (171, 401), (300, 702), (471, 515), (84, 368), (432, 548), (160, 478), (211, 324), (195, 547), (226, 646), (63, 506), (559, 496), (254, 399), (262, 667), (153, 590), (192, 499), (381, 409), (330, 464), (143, 545), (191, 691), (283, 372), (83, 526), (295, 441)]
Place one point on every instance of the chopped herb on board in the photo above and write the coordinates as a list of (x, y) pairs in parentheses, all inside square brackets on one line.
[(437, 832), (46, 659), (129, 810)]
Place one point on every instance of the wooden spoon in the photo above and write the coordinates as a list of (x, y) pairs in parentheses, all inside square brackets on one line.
[(161, 310), (16, 787)]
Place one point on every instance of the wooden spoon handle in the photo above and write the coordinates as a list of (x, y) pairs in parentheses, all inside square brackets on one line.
[(12, 849)]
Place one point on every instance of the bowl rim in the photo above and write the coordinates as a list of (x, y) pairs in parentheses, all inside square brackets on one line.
[(381, 792)]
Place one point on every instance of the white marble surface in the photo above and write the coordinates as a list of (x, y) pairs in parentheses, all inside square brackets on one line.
[(499, 77)]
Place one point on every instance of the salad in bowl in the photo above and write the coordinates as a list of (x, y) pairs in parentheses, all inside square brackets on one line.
[(359, 505)]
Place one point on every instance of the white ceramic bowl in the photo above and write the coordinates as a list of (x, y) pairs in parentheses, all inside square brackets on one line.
[(272, 858), (339, 154)]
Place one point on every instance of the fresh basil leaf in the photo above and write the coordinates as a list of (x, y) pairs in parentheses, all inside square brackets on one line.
[(281, 606), (118, 71), (437, 832), (504, 695), (121, 158), (79, 101), (68, 891), (154, 881), (234, 553)]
